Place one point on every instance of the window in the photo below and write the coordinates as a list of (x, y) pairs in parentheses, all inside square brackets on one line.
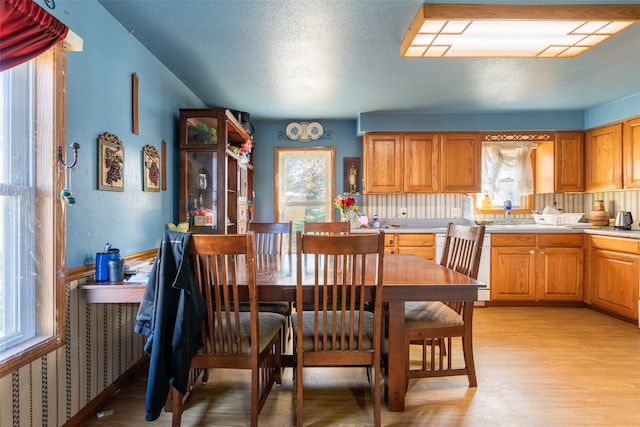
[(507, 174), (32, 233), (305, 184)]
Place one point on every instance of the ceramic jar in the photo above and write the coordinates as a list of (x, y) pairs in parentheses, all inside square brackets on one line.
[(598, 216)]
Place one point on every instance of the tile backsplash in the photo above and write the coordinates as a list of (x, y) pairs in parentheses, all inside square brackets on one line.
[(445, 205)]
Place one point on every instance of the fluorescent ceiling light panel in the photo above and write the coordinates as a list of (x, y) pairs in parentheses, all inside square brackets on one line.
[(538, 31)]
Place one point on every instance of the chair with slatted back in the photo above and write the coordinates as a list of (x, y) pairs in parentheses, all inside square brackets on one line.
[(326, 227), (233, 338), (433, 324), (274, 238), (344, 272)]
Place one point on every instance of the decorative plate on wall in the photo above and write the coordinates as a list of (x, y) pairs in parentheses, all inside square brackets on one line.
[(304, 131)]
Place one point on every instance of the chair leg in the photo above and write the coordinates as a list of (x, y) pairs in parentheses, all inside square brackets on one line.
[(467, 349), (176, 416), (299, 396), (377, 400)]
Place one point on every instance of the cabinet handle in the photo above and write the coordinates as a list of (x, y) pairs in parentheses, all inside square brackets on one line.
[(391, 241), (532, 252)]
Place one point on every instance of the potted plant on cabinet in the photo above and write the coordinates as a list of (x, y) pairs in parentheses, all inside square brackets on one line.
[(202, 134)]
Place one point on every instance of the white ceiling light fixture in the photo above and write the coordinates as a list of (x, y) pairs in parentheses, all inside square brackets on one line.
[(526, 31)]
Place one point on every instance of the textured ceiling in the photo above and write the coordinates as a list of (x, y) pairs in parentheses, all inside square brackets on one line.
[(282, 59)]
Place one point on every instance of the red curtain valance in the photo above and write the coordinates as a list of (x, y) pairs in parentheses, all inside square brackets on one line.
[(26, 30)]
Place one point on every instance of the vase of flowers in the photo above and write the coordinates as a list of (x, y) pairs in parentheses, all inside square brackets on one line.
[(346, 204)]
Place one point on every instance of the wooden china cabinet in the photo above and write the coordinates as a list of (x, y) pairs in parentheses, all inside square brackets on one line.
[(216, 180)]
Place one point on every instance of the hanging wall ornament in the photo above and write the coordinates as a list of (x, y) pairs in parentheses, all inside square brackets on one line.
[(66, 194)]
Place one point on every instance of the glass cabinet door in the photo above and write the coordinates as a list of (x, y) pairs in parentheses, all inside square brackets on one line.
[(200, 175), (201, 131)]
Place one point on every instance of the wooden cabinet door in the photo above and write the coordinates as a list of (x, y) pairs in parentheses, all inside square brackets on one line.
[(513, 273), (382, 160), (460, 163), (631, 150), (603, 158), (421, 163), (614, 281), (569, 162), (560, 163), (560, 274)]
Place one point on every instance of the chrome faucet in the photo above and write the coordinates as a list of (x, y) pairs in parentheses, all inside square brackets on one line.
[(507, 211)]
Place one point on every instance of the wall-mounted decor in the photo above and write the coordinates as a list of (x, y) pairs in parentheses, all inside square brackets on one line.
[(163, 159), (150, 168), (110, 163), (134, 103), (352, 175), (304, 132)]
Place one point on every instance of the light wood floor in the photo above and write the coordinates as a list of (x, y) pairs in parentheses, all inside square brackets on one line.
[(535, 367)]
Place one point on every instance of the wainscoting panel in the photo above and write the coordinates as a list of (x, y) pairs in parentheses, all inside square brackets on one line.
[(100, 347)]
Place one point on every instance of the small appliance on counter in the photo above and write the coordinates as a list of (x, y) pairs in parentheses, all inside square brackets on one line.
[(623, 221)]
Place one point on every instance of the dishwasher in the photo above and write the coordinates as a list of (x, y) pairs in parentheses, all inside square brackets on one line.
[(484, 272)]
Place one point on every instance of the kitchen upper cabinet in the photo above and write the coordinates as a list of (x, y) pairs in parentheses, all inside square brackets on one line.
[(603, 158), (420, 163), (560, 164), (631, 150), (400, 163), (613, 275), (383, 163), (460, 162), (537, 267)]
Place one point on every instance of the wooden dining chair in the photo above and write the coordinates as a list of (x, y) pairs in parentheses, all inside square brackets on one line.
[(274, 238), (433, 324), (326, 227), (233, 338), (340, 274)]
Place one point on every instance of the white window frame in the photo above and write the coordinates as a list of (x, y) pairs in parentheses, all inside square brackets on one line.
[(34, 249)]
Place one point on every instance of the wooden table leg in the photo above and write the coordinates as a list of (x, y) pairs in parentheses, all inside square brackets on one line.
[(396, 368)]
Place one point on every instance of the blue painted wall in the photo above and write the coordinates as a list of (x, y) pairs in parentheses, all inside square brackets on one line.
[(270, 133), (98, 101), (613, 112)]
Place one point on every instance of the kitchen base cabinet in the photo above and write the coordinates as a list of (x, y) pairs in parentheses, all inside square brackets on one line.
[(613, 275), (422, 244), (537, 267), (513, 267)]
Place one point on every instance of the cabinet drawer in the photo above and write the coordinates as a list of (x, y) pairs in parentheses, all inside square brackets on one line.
[(527, 240), (390, 240), (426, 239), (425, 252), (560, 240), (617, 244)]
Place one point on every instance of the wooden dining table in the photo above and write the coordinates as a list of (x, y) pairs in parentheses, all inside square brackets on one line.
[(406, 278)]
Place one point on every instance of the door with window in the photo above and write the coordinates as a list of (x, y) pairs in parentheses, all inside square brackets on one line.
[(304, 184)]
